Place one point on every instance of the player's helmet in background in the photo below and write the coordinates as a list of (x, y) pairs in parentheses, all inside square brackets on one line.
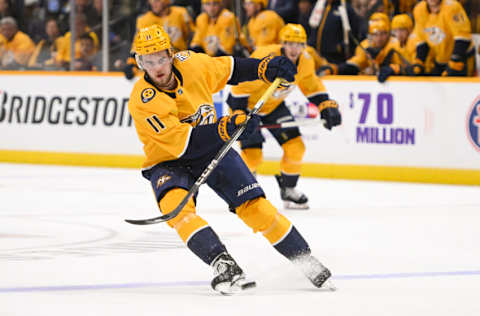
[(152, 39), (378, 26), (264, 3), (402, 21), (293, 33), (379, 16)]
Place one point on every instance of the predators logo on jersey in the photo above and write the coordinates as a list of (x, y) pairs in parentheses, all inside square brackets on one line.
[(183, 55), (204, 115), (147, 95), (161, 181)]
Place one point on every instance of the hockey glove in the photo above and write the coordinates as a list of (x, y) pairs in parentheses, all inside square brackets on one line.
[(387, 71), (271, 67), (329, 112), (227, 125), (454, 68), (329, 69), (416, 69)]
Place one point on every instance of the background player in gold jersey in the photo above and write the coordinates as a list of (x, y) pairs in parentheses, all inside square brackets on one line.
[(444, 28), (216, 30), (243, 97), (173, 111), (263, 25), (377, 52)]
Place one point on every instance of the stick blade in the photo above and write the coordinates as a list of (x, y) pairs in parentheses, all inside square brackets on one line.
[(148, 221)]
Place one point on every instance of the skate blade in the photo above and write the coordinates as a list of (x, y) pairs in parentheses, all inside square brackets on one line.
[(328, 286), (227, 288), (289, 205)]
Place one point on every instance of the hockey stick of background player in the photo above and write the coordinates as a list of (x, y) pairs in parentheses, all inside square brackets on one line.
[(303, 123), (213, 164), (369, 56), (238, 47), (342, 10)]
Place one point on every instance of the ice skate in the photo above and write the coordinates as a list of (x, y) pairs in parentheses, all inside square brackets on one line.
[(316, 272), (292, 198), (229, 277)]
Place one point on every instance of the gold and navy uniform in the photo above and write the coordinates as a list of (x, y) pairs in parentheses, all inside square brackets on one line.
[(20, 48), (64, 46), (164, 119), (244, 96), (177, 23), (376, 58), (263, 28), (180, 138), (305, 78), (409, 51), (220, 33), (447, 34)]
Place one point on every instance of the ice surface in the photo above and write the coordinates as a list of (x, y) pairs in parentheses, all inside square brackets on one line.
[(394, 249)]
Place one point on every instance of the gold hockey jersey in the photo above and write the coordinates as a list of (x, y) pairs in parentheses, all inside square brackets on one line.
[(441, 30), (164, 119), (64, 46), (178, 24), (264, 28), (306, 79), (364, 61), (221, 33)]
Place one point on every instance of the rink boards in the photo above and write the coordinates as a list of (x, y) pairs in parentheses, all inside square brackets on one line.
[(409, 129)]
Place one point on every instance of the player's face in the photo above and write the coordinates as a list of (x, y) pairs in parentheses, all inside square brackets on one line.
[(158, 5), (212, 8), (433, 3), (251, 8), (293, 50), (401, 34), (379, 38), (159, 67)]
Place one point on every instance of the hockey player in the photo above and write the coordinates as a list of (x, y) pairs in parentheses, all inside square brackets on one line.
[(174, 116), (216, 30), (263, 25), (444, 28), (402, 29), (243, 97), (175, 20), (378, 52)]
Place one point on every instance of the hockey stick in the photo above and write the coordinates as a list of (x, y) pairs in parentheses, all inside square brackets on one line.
[(213, 164), (303, 123)]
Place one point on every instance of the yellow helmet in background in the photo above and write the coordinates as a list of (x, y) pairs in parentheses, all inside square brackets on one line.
[(402, 21), (264, 3), (378, 26), (376, 17), (379, 16), (293, 33), (152, 39)]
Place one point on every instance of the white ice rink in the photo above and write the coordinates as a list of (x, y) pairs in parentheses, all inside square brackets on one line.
[(394, 249)]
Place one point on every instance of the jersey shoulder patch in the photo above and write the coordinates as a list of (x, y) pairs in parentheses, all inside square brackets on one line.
[(183, 55), (147, 94)]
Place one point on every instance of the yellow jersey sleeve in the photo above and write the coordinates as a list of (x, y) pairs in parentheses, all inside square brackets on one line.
[(218, 70), (459, 21), (360, 58), (308, 82)]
